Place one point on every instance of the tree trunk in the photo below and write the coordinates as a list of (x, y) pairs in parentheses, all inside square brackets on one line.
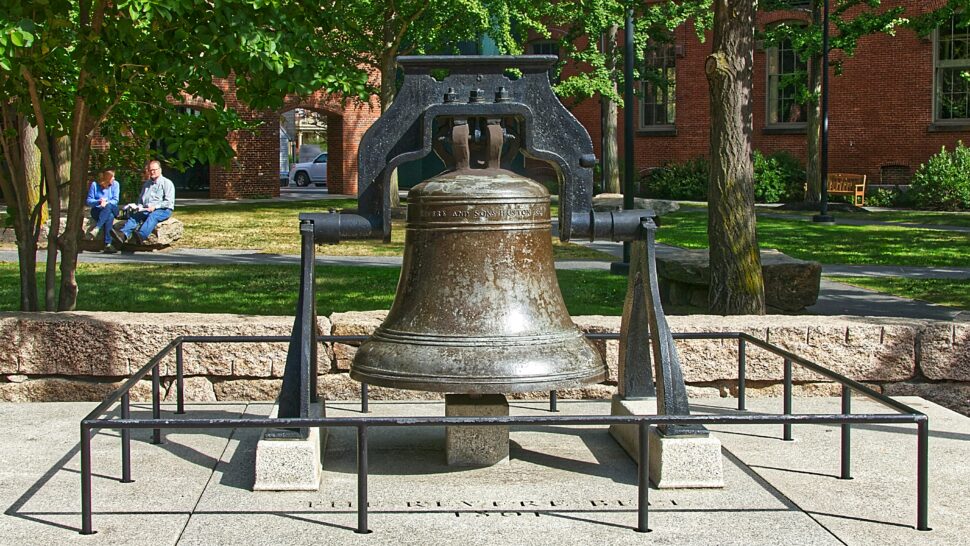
[(813, 171), (61, 156), (80, 159), (737, 285), (611, 161), (14, 135)]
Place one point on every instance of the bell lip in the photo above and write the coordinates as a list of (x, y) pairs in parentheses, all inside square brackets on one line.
[(405, 337), (471, 386)]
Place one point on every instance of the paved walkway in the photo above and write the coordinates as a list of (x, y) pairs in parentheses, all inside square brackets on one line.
[(561, 484)]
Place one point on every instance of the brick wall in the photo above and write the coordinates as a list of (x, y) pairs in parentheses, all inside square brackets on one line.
[(881, 107)]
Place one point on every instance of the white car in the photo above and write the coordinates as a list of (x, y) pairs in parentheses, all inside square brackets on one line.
[(302, 174)]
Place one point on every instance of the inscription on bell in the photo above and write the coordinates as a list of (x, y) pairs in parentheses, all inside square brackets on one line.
[(487, 212)]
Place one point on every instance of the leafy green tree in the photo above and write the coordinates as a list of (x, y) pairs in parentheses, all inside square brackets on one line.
[(75, 70), (850, 21), (589, 44), (375, 32)]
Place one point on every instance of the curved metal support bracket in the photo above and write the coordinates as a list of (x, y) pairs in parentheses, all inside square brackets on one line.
[(644, 323)]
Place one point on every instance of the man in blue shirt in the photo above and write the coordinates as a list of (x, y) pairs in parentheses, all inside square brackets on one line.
[(155, 204), (103, 200)]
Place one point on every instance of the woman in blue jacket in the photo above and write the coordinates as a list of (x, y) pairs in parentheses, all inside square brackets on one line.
[(103, 200)]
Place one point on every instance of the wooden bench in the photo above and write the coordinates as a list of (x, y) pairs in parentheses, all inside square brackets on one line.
[(848, 184)]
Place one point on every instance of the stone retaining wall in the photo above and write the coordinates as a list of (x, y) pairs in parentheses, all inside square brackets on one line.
[(83, 356)]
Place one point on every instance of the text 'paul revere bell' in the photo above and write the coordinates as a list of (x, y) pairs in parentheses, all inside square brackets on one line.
[(478, 308)]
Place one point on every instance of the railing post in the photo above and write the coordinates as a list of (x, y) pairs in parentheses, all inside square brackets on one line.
[(742, 369), (554, 401), (922, 475), (788, 389), (126, 440), (87, 527), (643, 477), (846, 434), (362, 480), (364, 398), (179, 380), (156, 404)]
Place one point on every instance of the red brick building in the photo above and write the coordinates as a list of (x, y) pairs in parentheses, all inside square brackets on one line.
[(255, 169), (899, 99)]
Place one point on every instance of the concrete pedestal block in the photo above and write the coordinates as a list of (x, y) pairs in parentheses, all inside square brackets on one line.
[(476, 445), (675, 462), (284, 464)]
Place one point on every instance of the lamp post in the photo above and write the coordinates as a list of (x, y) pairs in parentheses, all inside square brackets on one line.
[(823, 217), (628, 56)]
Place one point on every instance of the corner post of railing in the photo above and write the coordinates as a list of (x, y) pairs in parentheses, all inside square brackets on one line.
[(179, 378), (156, 402), (922, 474), (643, 477), (742, 370), (364, 398), (788, 388), (126, 440), (554, 401), (362, 480), (87, 527), (846, 434)]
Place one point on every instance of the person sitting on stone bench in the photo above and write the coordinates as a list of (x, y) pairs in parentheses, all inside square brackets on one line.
[(155, 204), (103, 200)]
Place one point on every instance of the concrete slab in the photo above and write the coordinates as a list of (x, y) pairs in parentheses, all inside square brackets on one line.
[(879, 504), (476, 446), (561, 483), (290, 464), (675, 462)]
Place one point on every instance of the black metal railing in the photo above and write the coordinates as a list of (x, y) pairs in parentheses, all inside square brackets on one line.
[(95, 420)]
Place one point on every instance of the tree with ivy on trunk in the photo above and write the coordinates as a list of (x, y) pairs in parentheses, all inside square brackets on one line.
[(737, 285), (73, 71)]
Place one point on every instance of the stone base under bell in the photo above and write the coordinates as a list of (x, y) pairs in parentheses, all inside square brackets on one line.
[(291, 464), (476, 445), (675, 462)]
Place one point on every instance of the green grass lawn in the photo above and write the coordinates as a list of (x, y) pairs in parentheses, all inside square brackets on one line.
[(949, 292), (838, 244), (272, 290), (275, 228), (961, 219)]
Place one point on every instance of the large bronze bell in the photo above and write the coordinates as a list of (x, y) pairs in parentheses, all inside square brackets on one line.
[(478, 308)]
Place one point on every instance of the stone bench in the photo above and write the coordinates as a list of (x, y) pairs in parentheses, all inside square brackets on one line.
[(164, 235), (791, 284), (606, 202)]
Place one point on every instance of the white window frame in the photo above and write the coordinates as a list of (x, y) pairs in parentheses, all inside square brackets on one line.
[(939, 66)]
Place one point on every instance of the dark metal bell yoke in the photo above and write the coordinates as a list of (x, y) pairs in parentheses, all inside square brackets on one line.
[(478, 307)]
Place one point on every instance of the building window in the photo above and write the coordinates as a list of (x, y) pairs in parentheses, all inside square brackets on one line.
[(786, 76), (953, 71), (658, 107), (547, 47)]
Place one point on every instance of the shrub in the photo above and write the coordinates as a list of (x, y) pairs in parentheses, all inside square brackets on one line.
[(943, 182), (778, 177), (882, 198), (687, 181)]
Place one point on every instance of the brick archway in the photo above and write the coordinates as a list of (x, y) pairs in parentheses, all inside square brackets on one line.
[(254, 171)]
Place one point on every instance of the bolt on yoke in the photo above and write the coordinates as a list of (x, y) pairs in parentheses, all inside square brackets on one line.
[(481, 110)]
